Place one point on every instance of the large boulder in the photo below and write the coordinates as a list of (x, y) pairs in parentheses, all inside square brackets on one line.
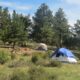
[(42, 46)]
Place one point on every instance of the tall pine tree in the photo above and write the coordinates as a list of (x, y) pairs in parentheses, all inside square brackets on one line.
[(61, 27), (42, 30)]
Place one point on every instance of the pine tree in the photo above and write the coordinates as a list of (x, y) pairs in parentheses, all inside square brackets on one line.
[(16, 32), (5, 23), (77, 28), (61, 27), (42, 30)]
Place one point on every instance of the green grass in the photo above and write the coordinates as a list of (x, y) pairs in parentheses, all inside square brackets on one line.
[(66, 72)]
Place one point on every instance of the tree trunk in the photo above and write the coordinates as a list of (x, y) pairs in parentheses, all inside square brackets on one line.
[(13, 48), (13, 45), (61, 41)]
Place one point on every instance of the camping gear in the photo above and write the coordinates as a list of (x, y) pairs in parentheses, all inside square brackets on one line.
[(64, 55), (42, 46)]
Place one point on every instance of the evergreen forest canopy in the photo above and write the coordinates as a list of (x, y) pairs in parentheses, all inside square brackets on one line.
[(46, 28)]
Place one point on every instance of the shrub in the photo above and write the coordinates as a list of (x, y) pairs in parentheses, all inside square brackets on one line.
[(5, 75), (18, 63), (54, 63), (38, 73), (40, 55), (49, 53), (14, 64), (34, 73), (48, 63), (4, 57), (21, 62), (13, 56), (34, 59), (43, 59), (19, 75), (40, 58), (42, 62)]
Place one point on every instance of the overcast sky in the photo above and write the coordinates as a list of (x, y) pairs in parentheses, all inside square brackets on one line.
[(70, 7)]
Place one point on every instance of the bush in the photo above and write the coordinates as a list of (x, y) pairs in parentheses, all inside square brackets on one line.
[(13, 56), (34, 59), (42, 55), (14, 64), (54, 63), (19, 75), (19, 63), (49, 53), (48, 63), (34, 73), (38, 73), (5, 75), (4, 57), (39, 56), (42, 62)]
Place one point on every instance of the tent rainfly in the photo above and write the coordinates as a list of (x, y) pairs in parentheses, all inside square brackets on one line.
[(64, 55)]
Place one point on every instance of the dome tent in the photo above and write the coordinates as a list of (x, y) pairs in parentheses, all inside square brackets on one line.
[(64, 55), (42, 46)]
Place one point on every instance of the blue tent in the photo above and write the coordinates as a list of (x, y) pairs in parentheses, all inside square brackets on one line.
[(63, 52), (65, 55)]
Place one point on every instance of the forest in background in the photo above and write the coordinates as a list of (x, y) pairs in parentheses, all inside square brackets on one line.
[(44, 27)]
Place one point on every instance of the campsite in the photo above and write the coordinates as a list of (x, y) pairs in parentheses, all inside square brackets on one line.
[(39, 40), (18, 66)]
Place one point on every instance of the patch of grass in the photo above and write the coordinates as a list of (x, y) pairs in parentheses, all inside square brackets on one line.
[(38, 73), (24, 69), (53, 63), (5, 73), (19, 74), (4, 57), (21, 62), (66, 72)]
